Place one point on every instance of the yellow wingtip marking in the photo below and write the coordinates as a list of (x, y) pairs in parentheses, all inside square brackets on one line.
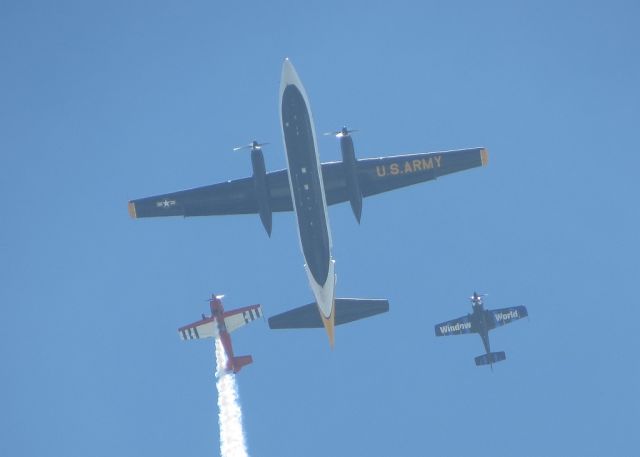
[(329, 326), (132, 210), (484, 156)]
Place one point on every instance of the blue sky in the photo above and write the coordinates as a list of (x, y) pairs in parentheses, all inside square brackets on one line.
[(105, 102)]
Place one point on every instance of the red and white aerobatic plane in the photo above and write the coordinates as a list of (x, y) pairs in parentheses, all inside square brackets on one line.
[(219, 325)]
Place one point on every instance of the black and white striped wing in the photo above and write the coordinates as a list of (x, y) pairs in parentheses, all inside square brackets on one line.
[(205, 328), (241, 316)]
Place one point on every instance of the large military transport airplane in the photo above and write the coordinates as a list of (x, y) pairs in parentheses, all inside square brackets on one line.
[(481, 321), (219, 325), (307, 187)]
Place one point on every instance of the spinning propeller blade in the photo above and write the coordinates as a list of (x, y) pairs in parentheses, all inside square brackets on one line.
[(213, 297), (476, 297), (252, 145), (344, 131)]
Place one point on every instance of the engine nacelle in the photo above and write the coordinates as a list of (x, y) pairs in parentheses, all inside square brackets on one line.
[(261, 188), (350, 166)]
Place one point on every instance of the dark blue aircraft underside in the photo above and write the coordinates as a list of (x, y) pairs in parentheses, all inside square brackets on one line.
[(305, 183), (375, 175)]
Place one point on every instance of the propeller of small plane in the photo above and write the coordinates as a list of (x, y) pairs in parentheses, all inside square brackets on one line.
[(477, 297), (219, 297), (253, 145), (344, 131)]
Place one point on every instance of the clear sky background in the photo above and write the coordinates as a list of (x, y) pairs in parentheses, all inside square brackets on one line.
[(102, 102)]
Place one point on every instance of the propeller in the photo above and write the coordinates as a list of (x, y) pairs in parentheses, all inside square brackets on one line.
[(344, 131), (213, 296), (477, 298), (253, 145), (210, 300)]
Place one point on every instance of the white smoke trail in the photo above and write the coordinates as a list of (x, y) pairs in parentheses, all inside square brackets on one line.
[(230, 419)]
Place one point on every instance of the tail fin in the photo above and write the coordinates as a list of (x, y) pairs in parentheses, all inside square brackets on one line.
[(490, 358), (239, 362)]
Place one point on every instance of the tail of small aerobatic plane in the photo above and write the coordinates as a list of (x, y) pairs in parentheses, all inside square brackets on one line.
[(239, 362), (490, 358), (346, 310)]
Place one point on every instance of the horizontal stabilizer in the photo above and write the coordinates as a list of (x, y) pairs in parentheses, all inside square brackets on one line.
[(490, 358), (346, 309), (240, 361)]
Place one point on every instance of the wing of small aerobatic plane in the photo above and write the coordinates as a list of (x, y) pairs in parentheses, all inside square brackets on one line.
[(265, 193), (204, 328), (457, 326), (505, 316), (242, 316)]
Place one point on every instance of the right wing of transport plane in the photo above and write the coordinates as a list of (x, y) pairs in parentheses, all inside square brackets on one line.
[(455, 327), (389, 173), (346, 309), (265, 193)]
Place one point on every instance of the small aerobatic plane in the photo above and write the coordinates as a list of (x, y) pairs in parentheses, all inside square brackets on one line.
[(307, 187), (481, 321), (219, 325)]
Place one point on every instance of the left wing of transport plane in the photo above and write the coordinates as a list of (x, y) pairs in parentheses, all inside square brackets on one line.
[(267, 192), (209, 327)]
